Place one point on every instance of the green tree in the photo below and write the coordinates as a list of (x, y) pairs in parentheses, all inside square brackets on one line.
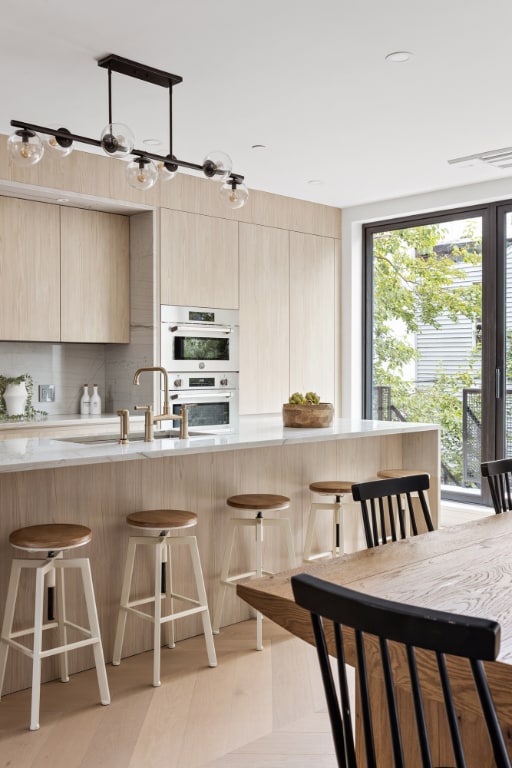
[(418, 281)]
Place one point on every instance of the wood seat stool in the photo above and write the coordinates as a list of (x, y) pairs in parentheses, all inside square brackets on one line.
[(390, 473), (342, 492), (55, 539), (160, 524), (259, 503)]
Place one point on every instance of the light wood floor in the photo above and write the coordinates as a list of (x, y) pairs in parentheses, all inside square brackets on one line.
[(254, 710)]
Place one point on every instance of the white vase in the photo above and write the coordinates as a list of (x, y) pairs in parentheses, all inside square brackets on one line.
[(15, 396)]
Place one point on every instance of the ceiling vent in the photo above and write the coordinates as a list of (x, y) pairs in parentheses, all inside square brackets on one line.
[(497, 158)]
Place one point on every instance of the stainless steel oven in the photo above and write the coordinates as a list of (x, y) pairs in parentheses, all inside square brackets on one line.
[(213, 395), (199, 339)]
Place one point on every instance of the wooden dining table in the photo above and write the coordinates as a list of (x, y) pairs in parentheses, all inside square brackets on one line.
[(463, 569)]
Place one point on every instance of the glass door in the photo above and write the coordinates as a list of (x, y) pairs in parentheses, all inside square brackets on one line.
[(425, 336)]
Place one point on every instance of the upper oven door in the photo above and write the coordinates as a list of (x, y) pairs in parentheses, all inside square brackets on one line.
[(195, 347)]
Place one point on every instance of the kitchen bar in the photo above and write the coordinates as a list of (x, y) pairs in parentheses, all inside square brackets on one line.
[(47, 480)]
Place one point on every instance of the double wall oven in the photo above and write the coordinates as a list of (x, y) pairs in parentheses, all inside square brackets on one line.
[(200, 351)]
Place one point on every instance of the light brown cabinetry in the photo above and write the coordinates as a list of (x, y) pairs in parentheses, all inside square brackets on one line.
[(95, 290), (29, 270), (64, 273), (198, 260), (312, 314), (264, 318)]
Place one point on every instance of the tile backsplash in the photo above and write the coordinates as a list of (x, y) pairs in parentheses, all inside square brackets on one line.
[(67, 366)]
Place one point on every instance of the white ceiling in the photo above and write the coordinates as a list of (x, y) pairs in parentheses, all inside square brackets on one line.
[(307, 79)]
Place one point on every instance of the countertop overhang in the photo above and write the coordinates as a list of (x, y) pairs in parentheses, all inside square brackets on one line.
[(23, 454)]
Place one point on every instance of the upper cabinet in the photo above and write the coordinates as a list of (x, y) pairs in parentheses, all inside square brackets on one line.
[(198, 260), (264, 318), (312, 315), (64, 273), (95, 287), (29, 271)]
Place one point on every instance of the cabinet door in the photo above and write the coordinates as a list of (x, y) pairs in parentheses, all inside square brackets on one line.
[(312, 315), (198, 260), (264, 318), (95, 285), (29, 270)]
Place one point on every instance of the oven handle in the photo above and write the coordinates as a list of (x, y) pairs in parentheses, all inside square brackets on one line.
[(196, 396), (201, 328)]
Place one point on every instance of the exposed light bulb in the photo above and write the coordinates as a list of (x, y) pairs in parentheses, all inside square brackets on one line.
[(58, 146), (234, 193), (141, 173), (167, 170), (25, 147), (217, 166), (117, 140)]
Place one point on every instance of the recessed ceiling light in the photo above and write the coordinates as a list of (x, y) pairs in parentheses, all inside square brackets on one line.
[(63, 199), (399, 56), (151, 142), (315, 181), (258, 146)]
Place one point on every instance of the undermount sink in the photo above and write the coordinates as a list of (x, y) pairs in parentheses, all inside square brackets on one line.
[(135, 438)]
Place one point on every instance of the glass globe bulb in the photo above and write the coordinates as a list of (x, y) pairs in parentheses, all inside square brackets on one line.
[(25, 147), (117, 140), (58, 147), (141, 173), (235, 195), (167, 173), (217, 166)]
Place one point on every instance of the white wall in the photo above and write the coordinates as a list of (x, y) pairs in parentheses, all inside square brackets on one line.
[(352, 267)]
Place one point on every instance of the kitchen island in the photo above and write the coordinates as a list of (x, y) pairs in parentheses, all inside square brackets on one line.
[(98, 484)]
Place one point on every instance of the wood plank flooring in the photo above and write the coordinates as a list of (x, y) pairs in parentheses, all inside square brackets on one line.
[(263, 709)]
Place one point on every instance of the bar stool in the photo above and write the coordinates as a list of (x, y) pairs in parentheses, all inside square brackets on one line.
[(259, 503), (55, 539), (160, 524), (342, 492), (390, 473)]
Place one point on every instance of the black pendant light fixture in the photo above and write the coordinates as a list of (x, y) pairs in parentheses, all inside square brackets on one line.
[(26, 147)]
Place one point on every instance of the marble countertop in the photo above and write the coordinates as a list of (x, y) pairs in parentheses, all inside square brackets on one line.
[(19, 454)]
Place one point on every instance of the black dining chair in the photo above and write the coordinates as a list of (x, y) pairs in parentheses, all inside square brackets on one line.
[(499, 475), (333, 607), (388, 508)]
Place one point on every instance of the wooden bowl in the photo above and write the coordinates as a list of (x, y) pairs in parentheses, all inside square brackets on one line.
[(308, 415)]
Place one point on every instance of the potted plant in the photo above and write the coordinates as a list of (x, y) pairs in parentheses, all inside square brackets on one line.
[(16, 398), (307, 411)]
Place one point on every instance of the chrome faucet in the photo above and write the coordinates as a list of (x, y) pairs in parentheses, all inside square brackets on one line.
[(150, 419)]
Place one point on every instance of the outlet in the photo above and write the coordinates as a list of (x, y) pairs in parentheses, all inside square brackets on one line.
[(46, 393)]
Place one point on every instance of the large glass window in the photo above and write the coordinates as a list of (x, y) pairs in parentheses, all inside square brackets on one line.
[(438, 334)]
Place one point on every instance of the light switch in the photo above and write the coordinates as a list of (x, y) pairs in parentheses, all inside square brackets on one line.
[(47, 393)]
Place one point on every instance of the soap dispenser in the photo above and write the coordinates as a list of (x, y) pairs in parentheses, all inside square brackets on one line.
[(95, 401), (85, 402)]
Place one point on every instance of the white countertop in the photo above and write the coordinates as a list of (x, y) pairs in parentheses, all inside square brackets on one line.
[(19, 454)]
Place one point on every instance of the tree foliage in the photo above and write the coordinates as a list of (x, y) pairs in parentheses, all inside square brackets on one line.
[(417, 282)]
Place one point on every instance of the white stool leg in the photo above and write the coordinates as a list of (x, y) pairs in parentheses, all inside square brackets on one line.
[(10, 606), (259, 573), (125, 599), (224, 573), (169, 625), (94, 625), (157, 616), (38, 640), (61, 619), (201, 593)]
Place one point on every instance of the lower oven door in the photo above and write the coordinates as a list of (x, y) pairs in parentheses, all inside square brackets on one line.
[(211, 411)]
